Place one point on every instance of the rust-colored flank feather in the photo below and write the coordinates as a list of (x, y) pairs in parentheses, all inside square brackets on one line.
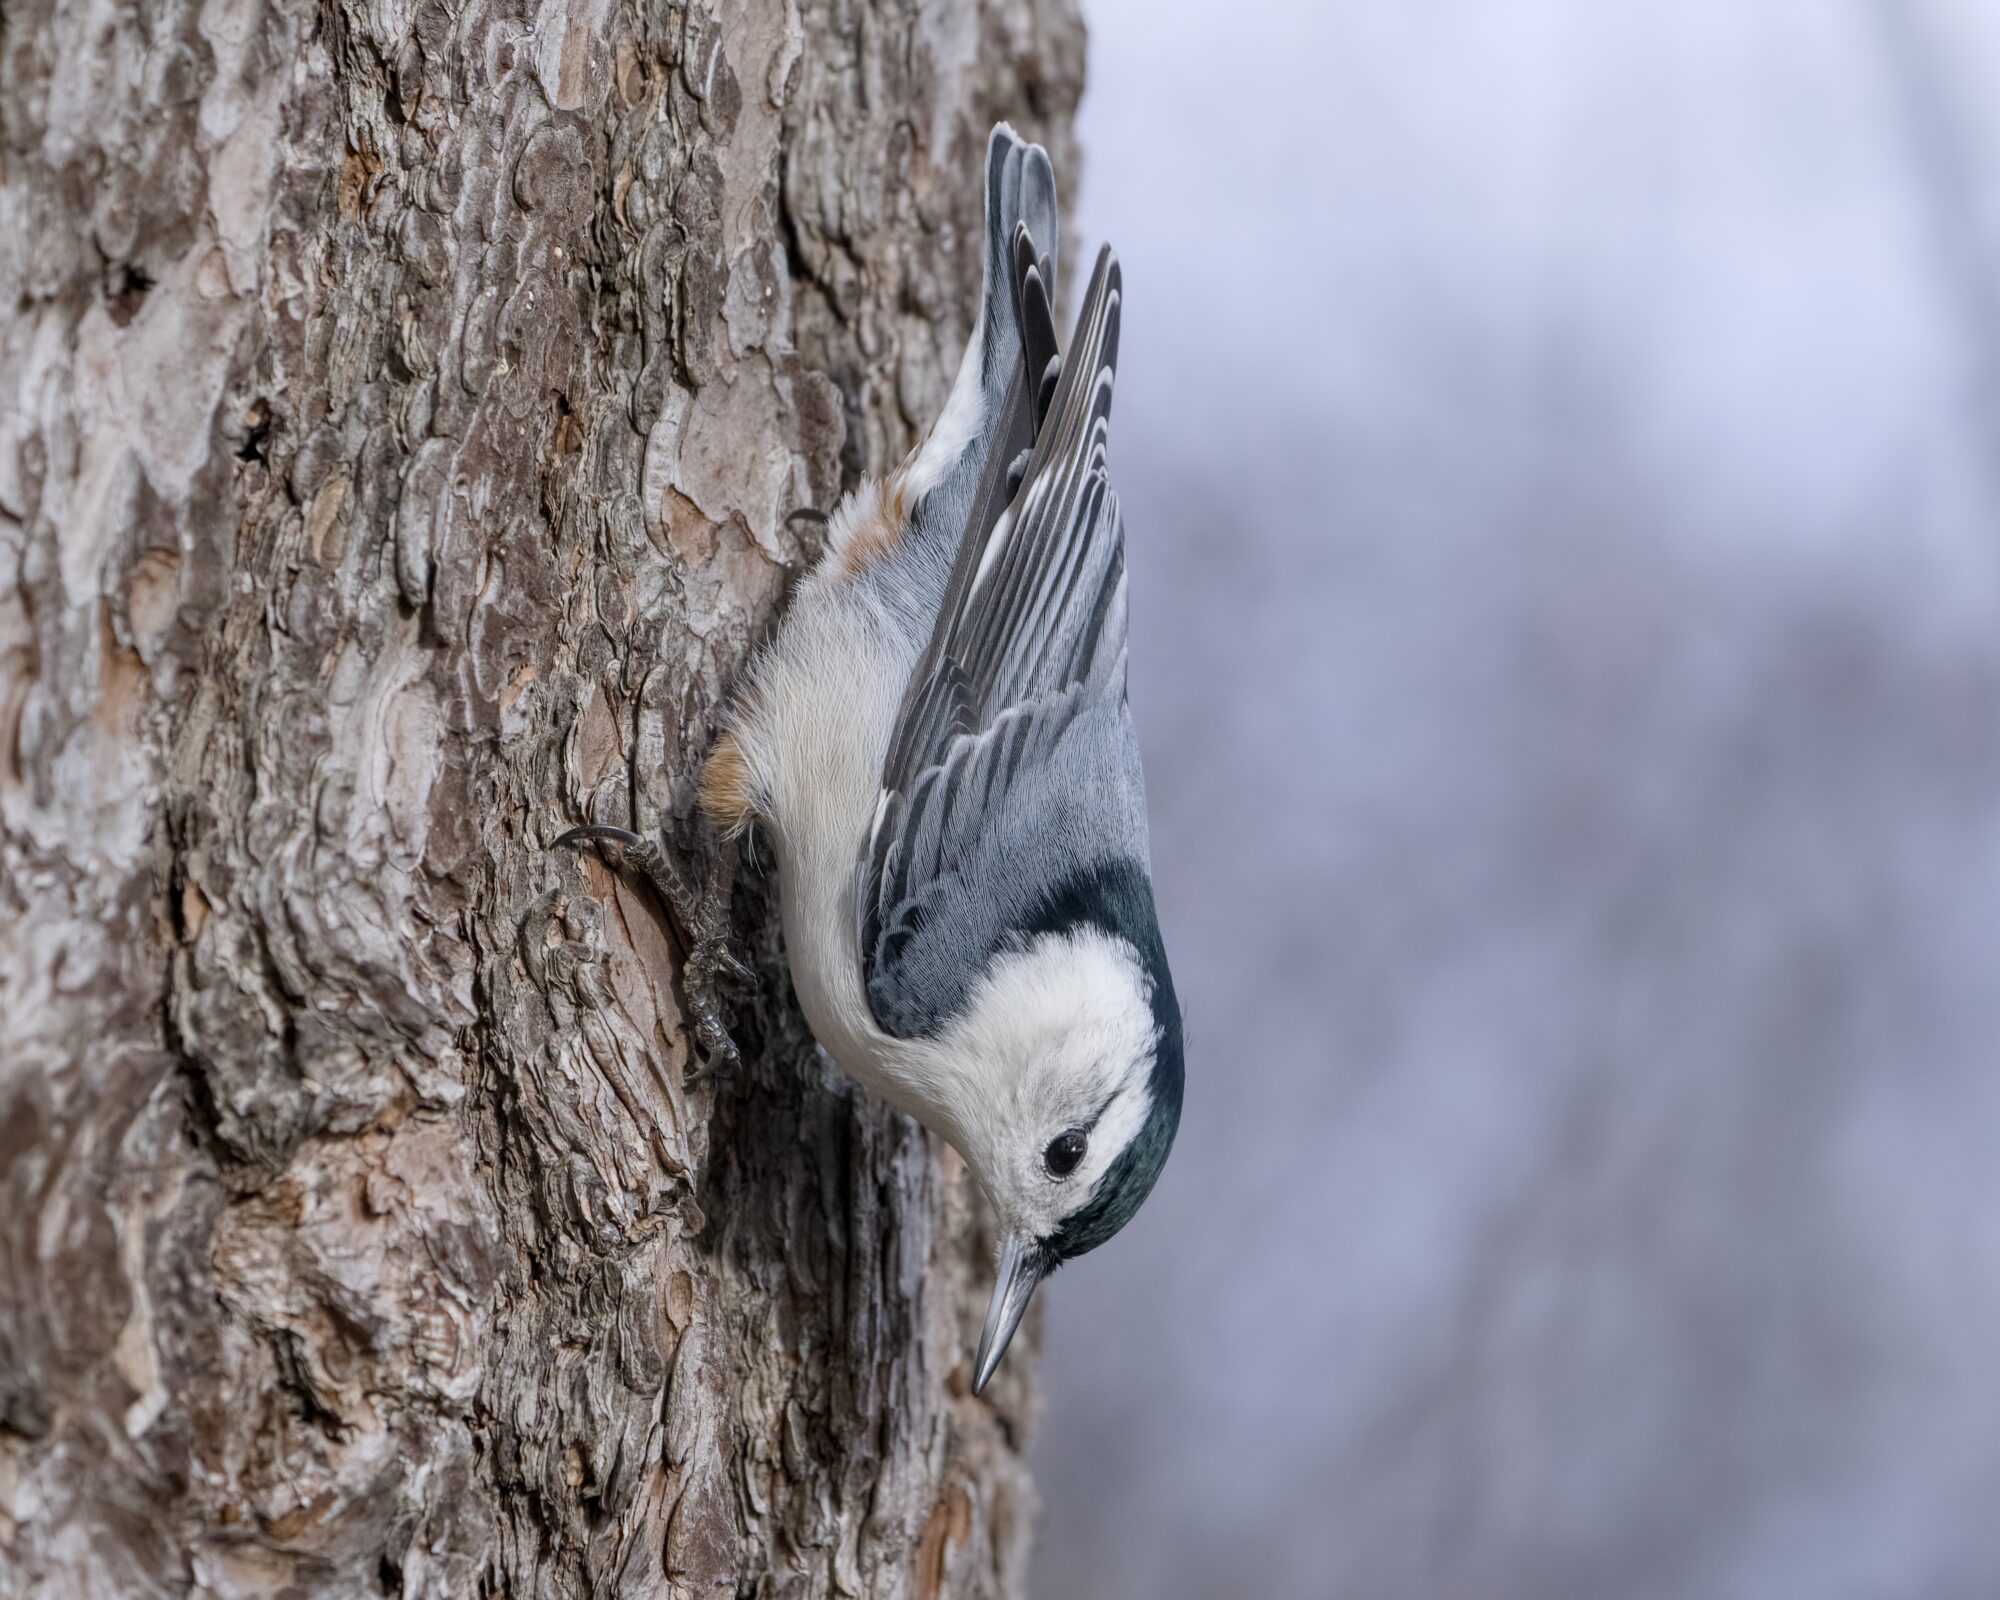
[(878, 530), (728, 796)]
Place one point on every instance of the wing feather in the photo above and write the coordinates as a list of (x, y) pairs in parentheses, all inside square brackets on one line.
[(1029, 638)]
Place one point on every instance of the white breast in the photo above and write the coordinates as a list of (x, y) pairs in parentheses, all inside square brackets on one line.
[(815, 724)]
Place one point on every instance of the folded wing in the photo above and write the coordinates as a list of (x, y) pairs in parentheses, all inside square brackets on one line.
[(1012, 749)]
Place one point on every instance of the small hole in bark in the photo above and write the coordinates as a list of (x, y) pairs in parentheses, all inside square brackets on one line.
[(127, 294), (257, 429)]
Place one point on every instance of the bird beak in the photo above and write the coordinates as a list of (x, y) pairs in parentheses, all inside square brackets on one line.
[(1022, 1266)]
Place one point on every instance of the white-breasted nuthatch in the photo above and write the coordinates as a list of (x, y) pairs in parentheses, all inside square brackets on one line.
[(938, 741)]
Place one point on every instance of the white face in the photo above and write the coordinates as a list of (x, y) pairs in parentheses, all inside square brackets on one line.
[(1057, 1041)]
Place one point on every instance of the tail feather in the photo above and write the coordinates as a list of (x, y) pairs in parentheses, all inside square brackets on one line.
[(1020, 197), (1016, 322), (1035, 315)]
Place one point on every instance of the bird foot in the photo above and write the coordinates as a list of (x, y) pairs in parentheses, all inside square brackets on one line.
[(703, 917)]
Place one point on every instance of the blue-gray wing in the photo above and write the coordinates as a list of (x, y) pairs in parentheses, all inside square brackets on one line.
[(1013, 766)]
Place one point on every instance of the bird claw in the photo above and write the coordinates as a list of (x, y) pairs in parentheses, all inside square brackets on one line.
[(709, 960), (703, 916)]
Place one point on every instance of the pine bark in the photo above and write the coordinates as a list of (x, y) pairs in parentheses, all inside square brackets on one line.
[(400, 404)]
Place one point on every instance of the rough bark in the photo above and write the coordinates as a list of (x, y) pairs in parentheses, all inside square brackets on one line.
[(401, 404)]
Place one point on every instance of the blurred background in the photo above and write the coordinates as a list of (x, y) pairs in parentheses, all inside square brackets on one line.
[(1560, 447)]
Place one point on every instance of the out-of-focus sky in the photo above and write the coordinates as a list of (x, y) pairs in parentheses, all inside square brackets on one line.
[(1560, 449)]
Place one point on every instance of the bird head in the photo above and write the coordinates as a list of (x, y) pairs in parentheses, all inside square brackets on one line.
[(1064, 1096)]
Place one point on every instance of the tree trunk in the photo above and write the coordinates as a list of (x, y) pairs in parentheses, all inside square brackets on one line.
[(401, 403)]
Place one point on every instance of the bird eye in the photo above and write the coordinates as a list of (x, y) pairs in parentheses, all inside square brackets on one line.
[(1064, 1152)]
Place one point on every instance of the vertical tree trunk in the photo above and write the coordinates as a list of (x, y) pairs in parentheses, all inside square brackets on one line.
[(401, 401)]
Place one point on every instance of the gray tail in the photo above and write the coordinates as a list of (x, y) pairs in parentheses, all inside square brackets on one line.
[(967, 467), (1023, 241)]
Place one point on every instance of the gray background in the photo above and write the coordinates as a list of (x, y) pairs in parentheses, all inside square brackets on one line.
[(1560, 444)]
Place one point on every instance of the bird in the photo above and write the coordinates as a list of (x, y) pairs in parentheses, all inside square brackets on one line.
[(937, 743)]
